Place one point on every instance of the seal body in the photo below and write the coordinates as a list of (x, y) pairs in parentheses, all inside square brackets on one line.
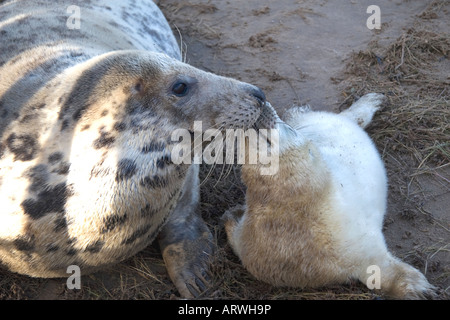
[(86, 117), (318, 220)]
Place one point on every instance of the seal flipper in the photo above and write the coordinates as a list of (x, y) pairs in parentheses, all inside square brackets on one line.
[(186, 250), (186, 242), (362, 110), (232, 220)]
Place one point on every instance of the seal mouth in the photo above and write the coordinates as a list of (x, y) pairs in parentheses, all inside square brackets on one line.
[(268, 121), (268, 118)]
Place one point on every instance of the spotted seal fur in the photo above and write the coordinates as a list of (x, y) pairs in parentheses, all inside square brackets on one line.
[(86, 116)]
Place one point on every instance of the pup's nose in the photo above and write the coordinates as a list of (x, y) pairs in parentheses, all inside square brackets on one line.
[(259, 95)]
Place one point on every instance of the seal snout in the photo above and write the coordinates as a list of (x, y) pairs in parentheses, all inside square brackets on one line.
[(258, 94)]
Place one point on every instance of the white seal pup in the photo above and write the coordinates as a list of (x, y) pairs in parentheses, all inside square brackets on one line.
[(318, 220)]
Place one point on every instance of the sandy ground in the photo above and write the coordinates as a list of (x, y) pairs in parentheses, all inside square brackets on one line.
[(298, 52), (292, 49)]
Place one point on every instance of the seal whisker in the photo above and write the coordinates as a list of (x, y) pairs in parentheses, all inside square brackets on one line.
[(208, 175), (229, 170), (220, 129), (221, 173), (183, 45)]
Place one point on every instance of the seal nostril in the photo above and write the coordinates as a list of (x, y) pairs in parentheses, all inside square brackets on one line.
[(259, 95)]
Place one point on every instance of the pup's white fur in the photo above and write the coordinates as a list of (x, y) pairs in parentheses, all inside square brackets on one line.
[(319, 219)]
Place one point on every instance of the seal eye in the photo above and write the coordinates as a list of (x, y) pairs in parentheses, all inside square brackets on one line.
[(180, 89)]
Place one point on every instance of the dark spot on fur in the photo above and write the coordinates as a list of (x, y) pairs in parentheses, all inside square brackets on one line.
[(2, 150), (181, 170), (104, 113), (154, 147), (147, 211), (78, 113), (140, 232), (125, 169), (120, 126), (154, 182), (85, 127), (163, 161), (38, 106), (113, 221), (55, 157), (62, 169), (138, 86), (64, 125), (28, 118), (38, 177), (105, 140), (24, 243), (51, 248), (76, 54), (23, 147), (49, 200), (96, 247), (172, 206), (144, 120), (71, 252), (60, 223)]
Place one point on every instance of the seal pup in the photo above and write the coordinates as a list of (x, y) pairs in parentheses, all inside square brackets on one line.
[(90, 93), (318, 220)]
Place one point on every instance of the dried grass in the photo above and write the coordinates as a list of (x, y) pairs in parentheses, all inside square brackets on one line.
[(416, 121)]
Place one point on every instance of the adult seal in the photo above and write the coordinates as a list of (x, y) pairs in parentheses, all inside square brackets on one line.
[(90, 93)]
